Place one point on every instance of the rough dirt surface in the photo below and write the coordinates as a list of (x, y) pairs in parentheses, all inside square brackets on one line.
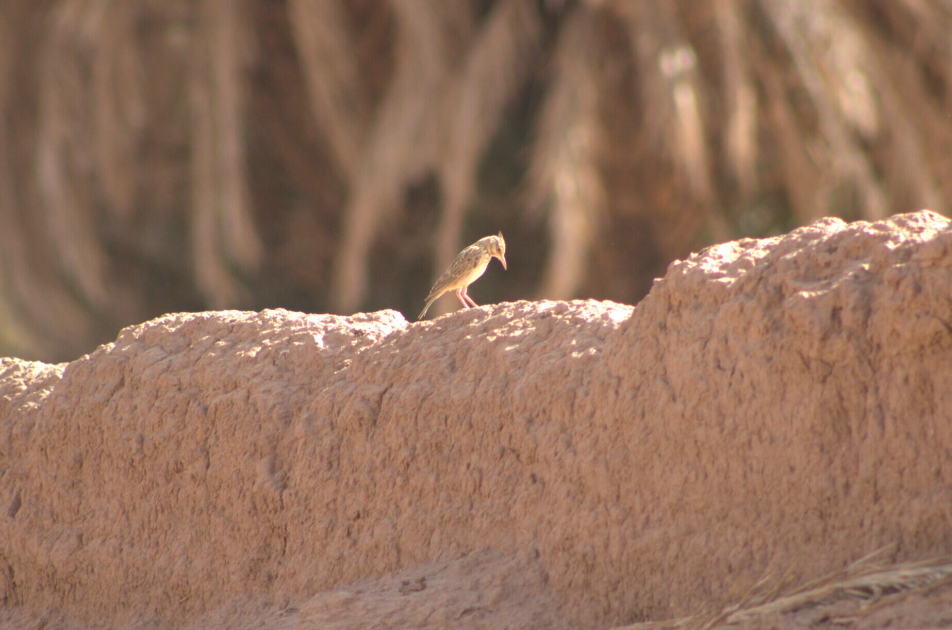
[(779, 405)]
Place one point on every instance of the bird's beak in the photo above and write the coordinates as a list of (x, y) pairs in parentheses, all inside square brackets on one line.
[(502, 259)]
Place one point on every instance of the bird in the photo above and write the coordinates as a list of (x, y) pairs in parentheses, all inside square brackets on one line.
[(466, 268)]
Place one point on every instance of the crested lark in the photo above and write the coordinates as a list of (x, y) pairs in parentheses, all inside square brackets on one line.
[(468, 265)]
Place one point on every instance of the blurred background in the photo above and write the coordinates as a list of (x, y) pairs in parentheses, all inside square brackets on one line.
[(334, 155)]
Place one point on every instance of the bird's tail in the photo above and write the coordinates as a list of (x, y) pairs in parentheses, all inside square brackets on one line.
[(425, 309)]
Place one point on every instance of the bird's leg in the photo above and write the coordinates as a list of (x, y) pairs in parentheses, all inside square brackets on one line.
[(460, 293), (468, 299)]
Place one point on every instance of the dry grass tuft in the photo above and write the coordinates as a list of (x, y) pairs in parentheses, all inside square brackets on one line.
[(869, 581)]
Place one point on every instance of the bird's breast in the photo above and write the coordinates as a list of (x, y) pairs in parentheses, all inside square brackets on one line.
[(471, 276)]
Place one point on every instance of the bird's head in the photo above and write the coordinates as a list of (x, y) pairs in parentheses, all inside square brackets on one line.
[(496, 246)]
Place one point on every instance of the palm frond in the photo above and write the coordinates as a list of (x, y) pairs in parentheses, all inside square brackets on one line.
[(739, 96), (494, 68), (828, 54), (430, 38), (338, 97), (63, 162), (672, 93), (223, 230), (119, 107), (565, 170)]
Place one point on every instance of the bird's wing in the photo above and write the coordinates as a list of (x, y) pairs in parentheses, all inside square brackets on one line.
[(465, 261)]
